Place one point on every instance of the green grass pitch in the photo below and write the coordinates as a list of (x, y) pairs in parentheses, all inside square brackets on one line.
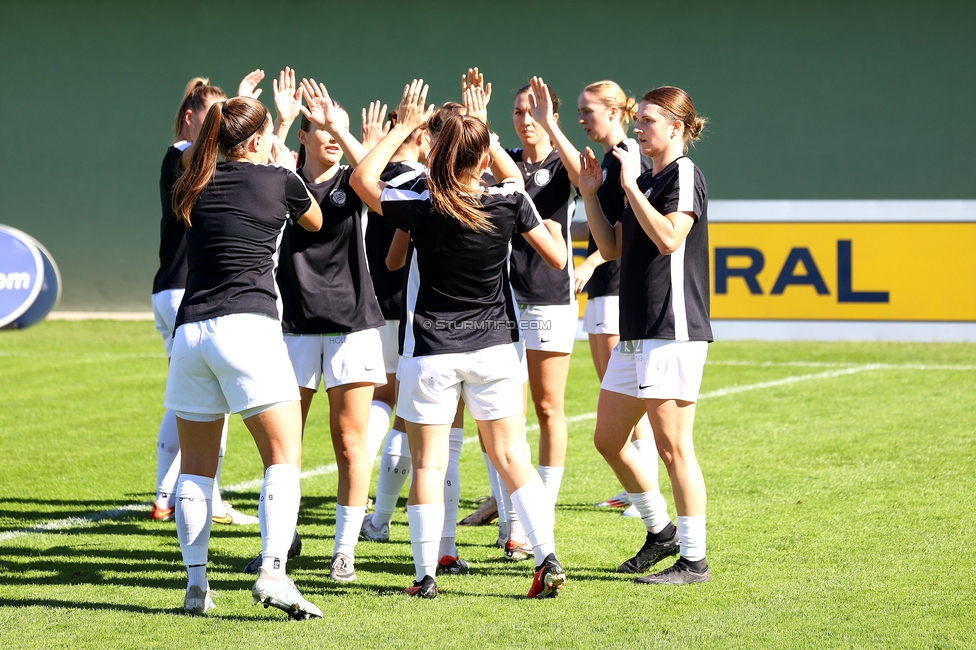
[(841, 486)]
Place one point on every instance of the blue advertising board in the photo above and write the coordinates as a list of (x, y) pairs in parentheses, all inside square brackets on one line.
[(30, 284)]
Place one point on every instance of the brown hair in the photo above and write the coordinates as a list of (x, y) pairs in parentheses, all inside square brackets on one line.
[(552, 95), (676, 105), (306, 126), (436, 121), (610, 94), (453, 161), (195, 97), (228, 127)]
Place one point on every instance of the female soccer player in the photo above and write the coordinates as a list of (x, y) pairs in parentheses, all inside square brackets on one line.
[(605, 111), (548, 312), (458, 336), (330, 313), (228, 352), (168, 288), (404, 168), (662, 243)]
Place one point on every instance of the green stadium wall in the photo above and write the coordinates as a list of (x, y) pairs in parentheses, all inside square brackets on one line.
[(806, 100)]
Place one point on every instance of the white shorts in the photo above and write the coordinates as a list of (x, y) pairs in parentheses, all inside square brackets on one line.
[(549, 328), (165, 304), (657, 369), (229, 364), (490, 381), (337, 359), (389, 336), (602, 315)]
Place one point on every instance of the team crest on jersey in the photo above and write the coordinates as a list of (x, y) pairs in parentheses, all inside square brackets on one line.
[(604, 176), (542, 177), (338, 198)]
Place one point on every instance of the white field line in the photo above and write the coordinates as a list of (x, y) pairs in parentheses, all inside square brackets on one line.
[(78, 522)]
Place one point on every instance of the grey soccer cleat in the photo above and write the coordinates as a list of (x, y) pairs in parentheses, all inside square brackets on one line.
[(343, 568), (198, 601), (280, 592)]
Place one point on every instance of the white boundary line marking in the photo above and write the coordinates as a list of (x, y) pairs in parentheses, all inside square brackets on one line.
[(842, 370)]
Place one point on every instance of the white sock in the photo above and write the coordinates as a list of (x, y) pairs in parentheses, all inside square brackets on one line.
[(426, 521), (452, 494), (505, 505), (219, 509), (493, 482), (648, 449), (193, 521), (278, 515), (394, 472), (349, 521), (530, 502), (653, 509), (691, 535), (552, 478), (377, 427), (167, 460)]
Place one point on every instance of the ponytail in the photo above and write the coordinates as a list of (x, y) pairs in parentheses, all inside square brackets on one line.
[(453, 161), (195, 97), (227, 128)]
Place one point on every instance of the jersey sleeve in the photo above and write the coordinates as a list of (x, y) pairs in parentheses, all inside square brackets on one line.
[(402, 208), (296, 196), (526, 217), (687, 193)]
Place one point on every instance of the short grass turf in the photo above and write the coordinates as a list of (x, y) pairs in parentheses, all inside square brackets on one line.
[(840, 480)]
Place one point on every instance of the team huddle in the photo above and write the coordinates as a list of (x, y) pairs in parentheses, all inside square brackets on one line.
[(430, 274)]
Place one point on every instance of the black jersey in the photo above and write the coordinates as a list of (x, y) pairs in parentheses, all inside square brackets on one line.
[(458, 297), (388, 284), (323, 276), (533, 280), (172, 232), (236, 224), (666, 296), (605, 280)]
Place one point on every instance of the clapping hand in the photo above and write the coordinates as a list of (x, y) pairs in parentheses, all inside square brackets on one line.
[(287, 96), (249, 85), (374, 129)]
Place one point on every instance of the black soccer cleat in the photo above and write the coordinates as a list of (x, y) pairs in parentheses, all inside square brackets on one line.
[(682, 572), (294, 550), (426, 588), (549, 578), (657, 546)]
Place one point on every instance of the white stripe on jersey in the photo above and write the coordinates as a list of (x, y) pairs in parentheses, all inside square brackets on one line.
[(678, 293), (183, 145), (396, 194), (570, 270), (413, 288), (413, 174), (686, 185)]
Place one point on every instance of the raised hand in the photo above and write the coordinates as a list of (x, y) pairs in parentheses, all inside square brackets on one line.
[(322, 111), (477, 80), (475, 103), (413, 111), (629, 165), (287, 96), (540, 102), (249, 85), (374, 129), (591, 174), (280, 155)]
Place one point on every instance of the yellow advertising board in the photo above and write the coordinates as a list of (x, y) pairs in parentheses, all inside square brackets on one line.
[(844, 271)]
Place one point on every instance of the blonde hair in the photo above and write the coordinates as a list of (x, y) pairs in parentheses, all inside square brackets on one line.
[(195, 97), (610, 94)]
